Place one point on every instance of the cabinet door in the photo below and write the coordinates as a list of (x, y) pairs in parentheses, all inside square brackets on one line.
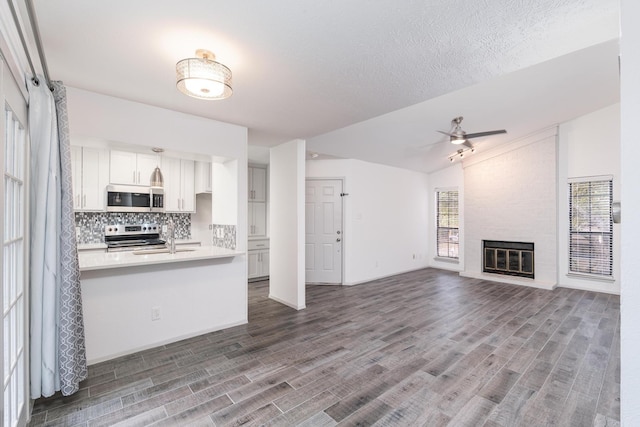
[(203, 177), (263, 269), (258, 184), (259, 219), (171, 174), (122, 169), (187, 186), (76, 176), (145, 165), (257, 215), (95, 177), (252, 262)]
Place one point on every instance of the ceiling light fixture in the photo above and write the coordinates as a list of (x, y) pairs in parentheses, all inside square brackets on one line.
[(459, 154), (203, 77), (157, 180)]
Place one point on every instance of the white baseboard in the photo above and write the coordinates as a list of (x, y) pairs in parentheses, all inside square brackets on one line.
[(288, 304), (385, 276)]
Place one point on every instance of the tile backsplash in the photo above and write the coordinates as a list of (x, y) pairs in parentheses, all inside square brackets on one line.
[(224, 236), (90, 225)]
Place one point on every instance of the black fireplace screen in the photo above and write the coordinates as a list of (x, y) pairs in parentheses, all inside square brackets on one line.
[(510, 258)]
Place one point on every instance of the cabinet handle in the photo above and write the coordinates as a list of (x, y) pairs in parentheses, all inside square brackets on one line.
[(134, 177), (138, 177), (84, 201), (182, 204)]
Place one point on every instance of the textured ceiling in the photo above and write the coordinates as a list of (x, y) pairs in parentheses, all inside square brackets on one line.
[(304, 68)]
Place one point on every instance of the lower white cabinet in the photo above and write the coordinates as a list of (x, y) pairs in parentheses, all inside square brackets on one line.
[(258, 258)]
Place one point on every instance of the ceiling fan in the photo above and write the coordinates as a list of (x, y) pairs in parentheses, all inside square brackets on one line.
[(459, 136)]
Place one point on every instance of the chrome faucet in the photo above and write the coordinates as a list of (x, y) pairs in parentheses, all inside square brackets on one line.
[(171, 228)]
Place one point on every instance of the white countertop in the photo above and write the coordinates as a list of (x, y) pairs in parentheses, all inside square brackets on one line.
[(91, 246), (106, 260), (258, 238)]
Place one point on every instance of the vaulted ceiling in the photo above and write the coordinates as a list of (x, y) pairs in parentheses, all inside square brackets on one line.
[(364, 79)]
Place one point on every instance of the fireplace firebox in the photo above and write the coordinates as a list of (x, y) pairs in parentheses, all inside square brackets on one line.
[(510, 258)]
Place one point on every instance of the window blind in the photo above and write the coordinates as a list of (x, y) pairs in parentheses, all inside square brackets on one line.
[(447, 224), (591, 227)]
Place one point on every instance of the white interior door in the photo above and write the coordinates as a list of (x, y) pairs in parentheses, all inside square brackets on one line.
[(323, 246)]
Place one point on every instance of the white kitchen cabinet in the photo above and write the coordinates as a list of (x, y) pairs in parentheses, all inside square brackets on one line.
[(203, 177), (257, 214), (90, 177), (258, 258), (132, 168), (179, 185), (257, 184)]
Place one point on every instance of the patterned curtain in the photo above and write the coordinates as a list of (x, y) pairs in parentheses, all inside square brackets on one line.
[(57, 349)]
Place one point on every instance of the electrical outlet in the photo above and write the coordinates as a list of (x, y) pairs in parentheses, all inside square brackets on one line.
[(155, 313), (210, 226)]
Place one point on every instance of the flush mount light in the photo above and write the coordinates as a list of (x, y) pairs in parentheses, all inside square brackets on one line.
[(203, 77)]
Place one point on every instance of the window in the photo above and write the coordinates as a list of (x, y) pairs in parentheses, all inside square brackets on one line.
[(591, 227), (13, 268), (447, 223)]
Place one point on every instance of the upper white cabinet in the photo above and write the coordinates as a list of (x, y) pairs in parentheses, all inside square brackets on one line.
[(179, 184), (90, 175), (132, 168), (203, 177), (257, 184)]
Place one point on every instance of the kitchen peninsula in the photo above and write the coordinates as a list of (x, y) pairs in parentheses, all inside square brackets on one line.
[(135, 302)]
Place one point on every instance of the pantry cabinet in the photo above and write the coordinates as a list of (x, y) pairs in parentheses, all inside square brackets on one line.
[(257, 184)]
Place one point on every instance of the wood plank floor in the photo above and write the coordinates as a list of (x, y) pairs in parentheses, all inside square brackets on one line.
[(426, 348)]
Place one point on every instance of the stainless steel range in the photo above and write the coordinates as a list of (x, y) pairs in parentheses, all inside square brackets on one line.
[(129, 237)]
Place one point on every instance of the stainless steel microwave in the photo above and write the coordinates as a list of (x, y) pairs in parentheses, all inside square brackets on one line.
[(132, 198)]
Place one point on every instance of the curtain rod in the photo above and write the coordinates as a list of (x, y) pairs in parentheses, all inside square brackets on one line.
[(36, 34)]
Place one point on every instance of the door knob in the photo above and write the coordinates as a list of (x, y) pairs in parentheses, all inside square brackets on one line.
[(338, 239), (338, 231)]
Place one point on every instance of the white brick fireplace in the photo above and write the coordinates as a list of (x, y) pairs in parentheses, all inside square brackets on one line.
[(510, 195)]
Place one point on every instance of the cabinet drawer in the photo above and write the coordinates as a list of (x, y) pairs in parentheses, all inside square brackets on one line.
[(258, 244)]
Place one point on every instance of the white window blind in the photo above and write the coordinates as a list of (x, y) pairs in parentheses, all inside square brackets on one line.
[(591, 227), (447, 224)]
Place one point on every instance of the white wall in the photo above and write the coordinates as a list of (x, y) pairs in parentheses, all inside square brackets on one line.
[(385, 217), (630, 226), (510, 194), (588, 146), (451, 178), (92, 115), (286, 245), (202, 219)]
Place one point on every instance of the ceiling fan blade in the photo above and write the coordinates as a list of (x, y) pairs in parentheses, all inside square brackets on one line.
[(491, 132), (447, 133)]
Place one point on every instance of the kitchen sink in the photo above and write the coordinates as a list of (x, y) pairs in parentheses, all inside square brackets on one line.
[(160, 251)]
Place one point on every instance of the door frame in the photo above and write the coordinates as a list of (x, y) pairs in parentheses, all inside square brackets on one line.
[(343, 181)]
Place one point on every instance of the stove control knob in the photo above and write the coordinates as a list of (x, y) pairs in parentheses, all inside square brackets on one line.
[(144, 228)]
